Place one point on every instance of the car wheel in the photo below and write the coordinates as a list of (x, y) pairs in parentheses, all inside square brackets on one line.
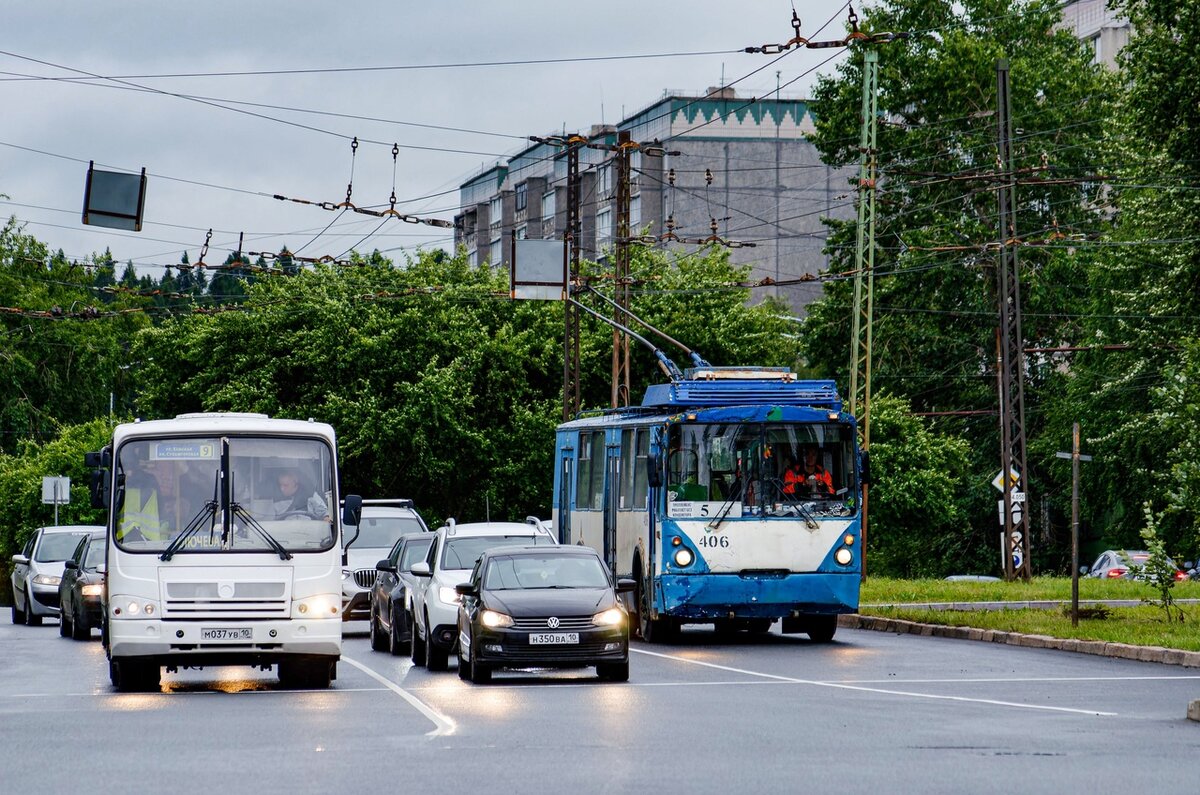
[(395, 644), (80, 628), (64, 626), (821, 629), (18, 615), (464, 666), (31, 620), (481, 673), (613, 672), (417, 647), (435, 659), (378, 641)]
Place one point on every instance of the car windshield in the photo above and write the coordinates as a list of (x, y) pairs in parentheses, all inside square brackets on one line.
[(57, 546), (461, 553), (95, 554), (281, 490), (416, 550), (519, 572), (381, 532)]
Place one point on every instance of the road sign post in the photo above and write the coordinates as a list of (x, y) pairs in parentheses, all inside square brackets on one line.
[(1075, 457)]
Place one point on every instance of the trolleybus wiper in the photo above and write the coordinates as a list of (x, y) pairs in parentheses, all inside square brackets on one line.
[(209, 511), (727, 506), (237, 510)]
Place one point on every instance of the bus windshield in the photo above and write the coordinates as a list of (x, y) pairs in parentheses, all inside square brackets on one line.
[(279, 489), (760, 469)]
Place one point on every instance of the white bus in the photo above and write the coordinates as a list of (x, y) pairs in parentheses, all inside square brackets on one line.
[(223, 548)]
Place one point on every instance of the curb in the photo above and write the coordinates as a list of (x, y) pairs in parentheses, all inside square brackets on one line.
[(1124, 651)]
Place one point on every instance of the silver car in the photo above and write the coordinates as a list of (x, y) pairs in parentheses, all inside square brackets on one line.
[(38, 568), (383, 523)]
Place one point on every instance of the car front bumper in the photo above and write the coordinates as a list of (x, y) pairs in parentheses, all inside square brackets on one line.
[(43, 600), (510, 648)]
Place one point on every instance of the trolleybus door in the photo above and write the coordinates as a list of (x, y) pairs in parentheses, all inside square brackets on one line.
[(566, 471), (612, 481)]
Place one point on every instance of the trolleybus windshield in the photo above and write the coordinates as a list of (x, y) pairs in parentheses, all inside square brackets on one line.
[(760, 469)]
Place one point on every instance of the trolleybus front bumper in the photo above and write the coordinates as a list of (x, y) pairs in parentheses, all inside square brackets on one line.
[(713, 596)]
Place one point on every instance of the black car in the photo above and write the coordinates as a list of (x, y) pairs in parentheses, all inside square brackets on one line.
[(542, 607), (80, 589), (391, 595)]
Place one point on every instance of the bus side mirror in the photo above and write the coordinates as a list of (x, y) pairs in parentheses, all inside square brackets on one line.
[(866, 468), (653, 472), (99, 488), (352, 510)]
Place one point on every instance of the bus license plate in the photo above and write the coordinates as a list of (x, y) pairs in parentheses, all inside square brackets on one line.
[(227, 633), (547, 638)]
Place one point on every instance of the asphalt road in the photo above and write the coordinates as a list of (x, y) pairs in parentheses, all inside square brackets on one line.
[(871, 712)]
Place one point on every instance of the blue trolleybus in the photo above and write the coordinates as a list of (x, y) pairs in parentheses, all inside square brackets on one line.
[(732, 496)]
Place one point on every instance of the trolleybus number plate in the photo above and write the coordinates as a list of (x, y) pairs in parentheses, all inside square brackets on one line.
[(227, 633), (553, 637)]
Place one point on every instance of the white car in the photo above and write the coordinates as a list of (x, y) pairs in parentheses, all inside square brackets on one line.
[(38, 569), (455, 549), (383, 522)]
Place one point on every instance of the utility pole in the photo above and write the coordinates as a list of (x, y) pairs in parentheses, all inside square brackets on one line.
[(574, 234), (1011, 359), (1075, 457), (864, 274), (621, 286)]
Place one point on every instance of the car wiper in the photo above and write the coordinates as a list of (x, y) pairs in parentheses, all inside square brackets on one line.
[(237, 510), (207, 511)]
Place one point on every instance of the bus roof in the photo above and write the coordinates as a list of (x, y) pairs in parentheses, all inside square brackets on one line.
[(212, 423)]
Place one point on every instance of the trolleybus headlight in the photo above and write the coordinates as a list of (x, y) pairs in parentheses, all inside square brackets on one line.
[(684, 557), (848, 540), (609, 618), (843, 556), (490, 618)]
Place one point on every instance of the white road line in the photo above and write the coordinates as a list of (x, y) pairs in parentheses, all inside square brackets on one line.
[(1013, 679), (906, 693), (443, 723)]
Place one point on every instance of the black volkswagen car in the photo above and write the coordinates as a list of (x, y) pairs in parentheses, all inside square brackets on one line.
[(80, 589), (391, 595), (542, 607)]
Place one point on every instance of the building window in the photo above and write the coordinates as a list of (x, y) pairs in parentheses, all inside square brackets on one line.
[(604, 230), (604, 181), (548, 206), (495, 252), (522, 196), (495, 213), (635, 212), (522, 232)]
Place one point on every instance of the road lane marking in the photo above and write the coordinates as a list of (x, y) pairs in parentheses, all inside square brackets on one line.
[(885, 691), (443, 723)]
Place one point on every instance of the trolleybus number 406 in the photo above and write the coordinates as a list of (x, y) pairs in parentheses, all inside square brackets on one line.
[(713, 542)]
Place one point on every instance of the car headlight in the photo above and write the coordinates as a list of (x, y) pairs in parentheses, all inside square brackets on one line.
[(609, 618), (684, 557), (347, 574), (319, 606), (490, 618), (843, 556), (46, 579), (93, 590), (448, 595)]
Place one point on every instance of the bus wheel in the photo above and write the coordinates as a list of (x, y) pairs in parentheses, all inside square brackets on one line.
[(133, 676), (311, 675), (820, 629)]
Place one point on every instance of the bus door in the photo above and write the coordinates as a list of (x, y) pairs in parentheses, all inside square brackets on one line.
[(566, 474), (612, 488)]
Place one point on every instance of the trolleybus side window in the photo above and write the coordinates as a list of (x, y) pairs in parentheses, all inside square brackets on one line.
[(639, 470), (589, 491), (628, 454)]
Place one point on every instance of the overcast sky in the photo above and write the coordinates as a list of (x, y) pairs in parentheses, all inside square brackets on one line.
[(211, 167)]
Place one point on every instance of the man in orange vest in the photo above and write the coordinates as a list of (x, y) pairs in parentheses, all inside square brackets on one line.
[(807, 476)]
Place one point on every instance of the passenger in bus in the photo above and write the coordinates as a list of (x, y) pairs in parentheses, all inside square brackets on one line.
[(156, 505), (806, 477), (296, 502)]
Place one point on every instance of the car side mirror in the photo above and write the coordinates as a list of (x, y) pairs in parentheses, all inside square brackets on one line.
[(20, 559), (466, 589), (386, 565), (421, 569), (626, 585), (70, 564), (653, 472)]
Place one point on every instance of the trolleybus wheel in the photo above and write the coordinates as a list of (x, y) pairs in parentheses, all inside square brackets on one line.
[(821, 629), (653, 630)]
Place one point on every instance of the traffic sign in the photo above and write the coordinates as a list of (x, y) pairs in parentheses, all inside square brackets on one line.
[(999, 483), (1016, 512)]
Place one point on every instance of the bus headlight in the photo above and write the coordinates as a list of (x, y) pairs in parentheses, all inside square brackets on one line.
[(684, 557), (609, 618), (319, 606), (132, 608), (843, 556)]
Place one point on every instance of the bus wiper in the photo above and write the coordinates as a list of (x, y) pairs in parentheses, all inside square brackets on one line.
[(209, 511), (237, 510)]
